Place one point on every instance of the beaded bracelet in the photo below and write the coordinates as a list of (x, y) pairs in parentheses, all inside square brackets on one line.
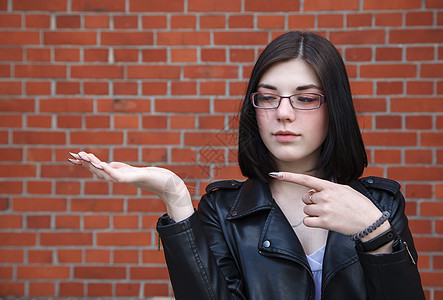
[(385, 215)]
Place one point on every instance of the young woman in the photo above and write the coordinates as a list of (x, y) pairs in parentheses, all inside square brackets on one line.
[(303, 225)]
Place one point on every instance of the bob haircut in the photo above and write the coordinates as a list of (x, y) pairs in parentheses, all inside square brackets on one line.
[(343, 156)]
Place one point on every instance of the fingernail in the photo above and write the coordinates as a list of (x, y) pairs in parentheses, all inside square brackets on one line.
[(74, 163), (276, 175), (75, 155), (85, 159), (97, 166)]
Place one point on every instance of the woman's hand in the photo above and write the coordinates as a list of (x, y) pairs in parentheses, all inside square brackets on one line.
[(336, 207), (162, 182)]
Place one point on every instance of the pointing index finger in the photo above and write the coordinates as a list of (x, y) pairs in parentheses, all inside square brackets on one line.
[(302, 179)]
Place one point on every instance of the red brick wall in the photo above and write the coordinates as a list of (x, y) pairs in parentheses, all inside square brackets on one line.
[(159, 82)]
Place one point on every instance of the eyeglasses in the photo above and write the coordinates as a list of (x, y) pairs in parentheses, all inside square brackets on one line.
[(302, 101)]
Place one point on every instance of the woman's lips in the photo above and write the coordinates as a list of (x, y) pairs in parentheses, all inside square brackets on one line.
[(285, 136)]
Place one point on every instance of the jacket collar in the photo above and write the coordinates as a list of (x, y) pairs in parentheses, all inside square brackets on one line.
[(256, 196)]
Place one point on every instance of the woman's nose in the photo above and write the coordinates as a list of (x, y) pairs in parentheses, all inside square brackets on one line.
[(285, 111)]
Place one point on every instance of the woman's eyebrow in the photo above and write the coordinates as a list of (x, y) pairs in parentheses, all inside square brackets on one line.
[(299, 88), (308, 86)]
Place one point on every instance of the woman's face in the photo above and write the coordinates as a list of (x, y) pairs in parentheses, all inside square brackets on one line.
[(292, 136)]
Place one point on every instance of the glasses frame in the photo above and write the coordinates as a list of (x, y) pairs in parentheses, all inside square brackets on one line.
[(322, 100)]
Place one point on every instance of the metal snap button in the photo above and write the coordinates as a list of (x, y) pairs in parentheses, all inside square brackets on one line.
[(234, 213), (370, 181), (266, 244)]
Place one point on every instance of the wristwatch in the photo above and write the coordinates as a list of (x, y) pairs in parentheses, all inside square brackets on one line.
[(376, 242)]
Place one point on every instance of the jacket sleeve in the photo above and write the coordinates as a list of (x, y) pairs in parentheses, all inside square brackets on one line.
[(197, 268), (394, 275)]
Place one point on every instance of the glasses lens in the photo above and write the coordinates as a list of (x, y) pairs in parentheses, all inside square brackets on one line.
[(306, 101), (264, 100)]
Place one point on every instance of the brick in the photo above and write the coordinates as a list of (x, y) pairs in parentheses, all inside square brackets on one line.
[(17, 239), (99, 5), (153, 289), (240, 38), (11, 222), (125, 22), (391, 138), (11, 255), (123, 189), (418, 156), (125, 256), (182, 105), (153, 72), (39, 187), (268, 6), (67, 88), (241, 21), (271, 21), (419, 53), (182, 122), (406, 36), (40, 256), (359, 20), (70, 38), (126, 55), (125, 88), (38, 154), (183, 38), (10, 20), (156, 6), (12, 288), (38, 88), (96, 88), (357, 37), (388, 71), (97, 256), (11, 170), (66, 239), (388, 54), (157, 155), (212, 21), (387, 156), (127, 289), (96, 21), (11, 54), (153, 138), (360, 88), (144, 273), (10, 88), (154, 21), (19, 38), (97, 71), (103, 205), (415, 173), (183, 55), (301, 21), (421, 104), (123, 239), (67, 54), (96, 188), (215, 6), (213, 55), (41, 54), (388, 19), (68, 21), (48, 272), (155, 122), (394, 4), (420, 88), (41, 289), (390, 88), (96, 55), (39, 204), (40, 71), (183, 88), (419, 122), (126, 121), (126, 38), (11, 154), (183, 21), (67, 121), (432, 139), (125, 222), (418, 191), (50, 5), (431, 71), (330, 21), (96, 222), (419, 19), (66, 105), (99, 289), (37, 21), (210, 71)]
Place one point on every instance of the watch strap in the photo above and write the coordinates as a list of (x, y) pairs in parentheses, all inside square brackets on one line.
[(377, 242)]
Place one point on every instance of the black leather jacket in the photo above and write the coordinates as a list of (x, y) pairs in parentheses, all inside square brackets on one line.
[(220, 252)]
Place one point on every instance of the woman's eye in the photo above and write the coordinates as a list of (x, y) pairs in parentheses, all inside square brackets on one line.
[(306, 99)]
